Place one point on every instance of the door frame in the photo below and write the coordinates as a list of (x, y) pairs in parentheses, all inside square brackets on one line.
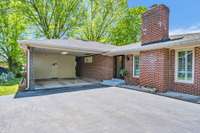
[(115, 65)]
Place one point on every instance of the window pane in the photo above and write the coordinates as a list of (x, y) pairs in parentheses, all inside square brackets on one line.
[(181, 76), (189, 61), (136, 66), (185, 62), (189, 75), (181, 61)]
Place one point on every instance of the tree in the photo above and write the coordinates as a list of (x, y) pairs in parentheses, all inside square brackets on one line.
[(128, 29), (12, 24), (110, 21), (99, 16), (53, 18)]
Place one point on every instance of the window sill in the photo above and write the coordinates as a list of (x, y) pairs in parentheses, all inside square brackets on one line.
[(184, 82), (136, 77)]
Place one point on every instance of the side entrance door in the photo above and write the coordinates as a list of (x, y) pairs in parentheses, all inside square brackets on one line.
[(119, 64), (54, 70)]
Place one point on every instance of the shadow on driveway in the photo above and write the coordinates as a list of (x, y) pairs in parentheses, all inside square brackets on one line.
[(42, 92)]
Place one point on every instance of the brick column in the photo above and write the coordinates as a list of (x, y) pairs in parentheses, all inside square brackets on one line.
[(197, 71), (155, 69)]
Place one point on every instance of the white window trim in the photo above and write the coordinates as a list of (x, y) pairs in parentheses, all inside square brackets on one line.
[(88, 59), (176, 66), (135, 76)]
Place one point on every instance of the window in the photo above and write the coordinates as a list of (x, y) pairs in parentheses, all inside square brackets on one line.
[(88, 59), (136, 66), (184, 66)]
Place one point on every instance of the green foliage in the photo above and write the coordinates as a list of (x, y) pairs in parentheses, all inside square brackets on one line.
[(3, 64), (99, 16), (9, 87), (110, 21), (52, 18), (8, 90), (12, 24), (10, 82), (123, 73), (128, 29), (5, 77)]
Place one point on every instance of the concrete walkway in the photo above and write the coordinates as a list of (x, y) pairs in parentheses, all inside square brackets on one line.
[(103, 110)]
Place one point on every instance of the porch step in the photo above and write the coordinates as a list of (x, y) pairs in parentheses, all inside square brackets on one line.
[(113, 82)]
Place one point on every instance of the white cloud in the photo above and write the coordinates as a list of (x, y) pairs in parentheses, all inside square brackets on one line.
[(191, 29)]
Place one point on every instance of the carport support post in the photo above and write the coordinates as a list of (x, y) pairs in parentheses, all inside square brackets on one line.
[(31, 84)]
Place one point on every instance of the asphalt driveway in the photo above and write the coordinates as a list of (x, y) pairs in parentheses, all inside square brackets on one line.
[(105, 110)]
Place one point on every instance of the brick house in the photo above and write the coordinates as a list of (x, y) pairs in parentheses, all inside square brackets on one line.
[(159, 61)]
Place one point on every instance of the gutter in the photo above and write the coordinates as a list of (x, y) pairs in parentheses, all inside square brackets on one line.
[(28, 68), (183, 43), (58, 47)]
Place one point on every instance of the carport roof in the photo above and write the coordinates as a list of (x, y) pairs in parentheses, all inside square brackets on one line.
[(175, 41), (69, 44)]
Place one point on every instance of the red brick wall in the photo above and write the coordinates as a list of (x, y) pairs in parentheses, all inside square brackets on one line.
[(183, 87), (158, 70), (155, 25), (129, 67), (100, 69), (154, 69)]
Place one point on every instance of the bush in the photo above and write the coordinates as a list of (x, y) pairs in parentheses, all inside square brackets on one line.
[(123, 73), (5, 77), (3, 70), (17, 69)]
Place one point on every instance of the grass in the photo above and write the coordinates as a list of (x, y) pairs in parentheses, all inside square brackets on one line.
[(9, 87)]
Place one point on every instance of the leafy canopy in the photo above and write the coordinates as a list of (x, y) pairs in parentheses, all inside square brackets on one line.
[(98, 17), (12, 24), (110, 21), (128, 28), (52, 18)]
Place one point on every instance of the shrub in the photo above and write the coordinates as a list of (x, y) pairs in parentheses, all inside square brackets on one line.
[(5, 77), (123, 73), (3, 70)]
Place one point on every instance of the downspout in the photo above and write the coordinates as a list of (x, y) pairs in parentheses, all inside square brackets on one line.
[(169, 70), (28, 68)]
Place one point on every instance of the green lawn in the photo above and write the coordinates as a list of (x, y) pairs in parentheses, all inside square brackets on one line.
[(9, 87)]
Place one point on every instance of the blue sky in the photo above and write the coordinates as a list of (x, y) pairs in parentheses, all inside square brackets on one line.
[(184, 14)]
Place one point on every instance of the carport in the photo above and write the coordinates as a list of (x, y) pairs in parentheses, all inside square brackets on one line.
[(55, 63)]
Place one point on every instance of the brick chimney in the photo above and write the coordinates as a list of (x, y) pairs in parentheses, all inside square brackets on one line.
[(155, 24)]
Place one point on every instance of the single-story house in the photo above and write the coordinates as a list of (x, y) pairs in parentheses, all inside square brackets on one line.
[(160, 61)]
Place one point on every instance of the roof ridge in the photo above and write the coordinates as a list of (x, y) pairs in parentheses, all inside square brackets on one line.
[(185, 34)]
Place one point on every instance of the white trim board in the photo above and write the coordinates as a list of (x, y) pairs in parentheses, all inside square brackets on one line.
[(133, 64), (176, 66)]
